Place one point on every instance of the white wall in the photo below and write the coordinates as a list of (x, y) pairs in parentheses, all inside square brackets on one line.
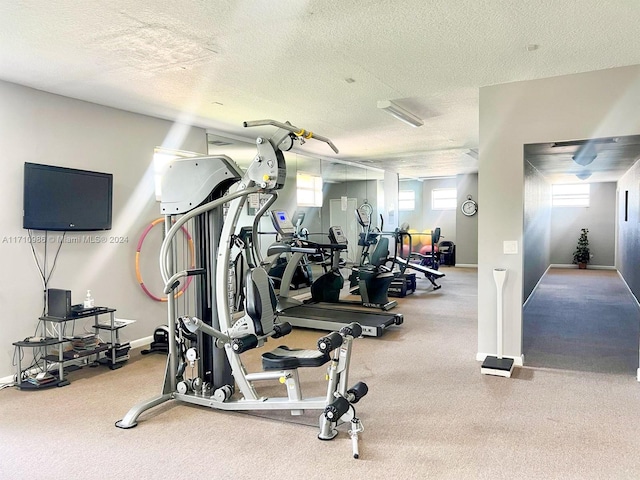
[(44, 128), (599, 217), (595, 104)]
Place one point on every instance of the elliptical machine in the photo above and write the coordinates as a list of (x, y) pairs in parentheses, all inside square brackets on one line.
[(219, 378), (303, 275)]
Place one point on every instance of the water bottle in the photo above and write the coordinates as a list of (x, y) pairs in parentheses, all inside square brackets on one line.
[(88, 300)]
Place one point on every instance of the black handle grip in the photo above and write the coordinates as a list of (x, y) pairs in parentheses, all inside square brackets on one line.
[(196, 271), (172, 287)]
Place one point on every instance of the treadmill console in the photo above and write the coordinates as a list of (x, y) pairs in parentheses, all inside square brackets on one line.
[(336, 235), (282, 223)]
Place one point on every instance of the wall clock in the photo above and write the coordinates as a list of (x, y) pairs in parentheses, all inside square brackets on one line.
[(469, 207)]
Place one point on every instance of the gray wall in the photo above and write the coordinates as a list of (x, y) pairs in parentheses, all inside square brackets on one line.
[(537, 218), (629, 231), (588, 105), (466, 237), (44, 128), (599, 218), (445, 219), (424, 217), (361, 190), (455, 226)]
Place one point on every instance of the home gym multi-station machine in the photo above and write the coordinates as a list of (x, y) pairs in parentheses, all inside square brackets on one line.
[(211, 372)]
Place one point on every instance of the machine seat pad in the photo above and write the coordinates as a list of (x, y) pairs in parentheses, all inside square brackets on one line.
[(285, 358)]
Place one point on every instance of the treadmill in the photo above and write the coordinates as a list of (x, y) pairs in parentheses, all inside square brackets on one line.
[(321, 315)]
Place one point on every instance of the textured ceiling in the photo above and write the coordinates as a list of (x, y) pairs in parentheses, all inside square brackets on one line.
[(322, 65)]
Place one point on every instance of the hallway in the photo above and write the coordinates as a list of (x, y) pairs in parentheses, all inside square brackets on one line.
[(584, 320)]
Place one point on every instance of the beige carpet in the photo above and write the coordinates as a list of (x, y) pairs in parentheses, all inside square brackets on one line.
[(429, 414)]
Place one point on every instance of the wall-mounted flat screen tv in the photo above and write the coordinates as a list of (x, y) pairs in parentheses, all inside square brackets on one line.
[(66, 199)]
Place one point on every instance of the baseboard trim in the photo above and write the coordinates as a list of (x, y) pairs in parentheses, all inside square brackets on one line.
[(466, 265), (589, 267), (524, 305), (629, 288), (517, 361), (141, 342)]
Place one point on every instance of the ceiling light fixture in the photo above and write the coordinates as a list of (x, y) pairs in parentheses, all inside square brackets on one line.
[(585, 155), (400, 113), (583, 175)]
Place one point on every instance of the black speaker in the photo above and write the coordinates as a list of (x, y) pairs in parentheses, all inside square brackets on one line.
[(58, 303)]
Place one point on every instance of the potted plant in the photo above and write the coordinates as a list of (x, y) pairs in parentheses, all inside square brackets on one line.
[(582, 255)]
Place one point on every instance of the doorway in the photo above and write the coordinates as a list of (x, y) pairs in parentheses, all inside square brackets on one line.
[(585, 322)]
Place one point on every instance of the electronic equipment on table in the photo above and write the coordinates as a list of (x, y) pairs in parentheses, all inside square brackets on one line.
[(84, 347)]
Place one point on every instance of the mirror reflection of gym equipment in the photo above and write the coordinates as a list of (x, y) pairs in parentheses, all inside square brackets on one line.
[(377, 262), (425, 264), (211, 373), (324, 311)]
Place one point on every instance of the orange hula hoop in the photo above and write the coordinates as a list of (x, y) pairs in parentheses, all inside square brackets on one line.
[(192, 254)]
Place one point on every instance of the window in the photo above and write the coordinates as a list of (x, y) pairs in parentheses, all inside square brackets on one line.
[(573, 195), (162, 158), (406, 200), (309, 190), (444, 198)]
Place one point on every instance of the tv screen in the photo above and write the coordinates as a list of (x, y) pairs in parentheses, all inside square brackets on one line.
[(66, 199)]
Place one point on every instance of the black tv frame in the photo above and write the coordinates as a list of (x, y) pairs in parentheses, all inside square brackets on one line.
[(65, 211)]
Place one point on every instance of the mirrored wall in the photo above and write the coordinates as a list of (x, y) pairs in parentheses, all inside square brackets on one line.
[(318, 193)]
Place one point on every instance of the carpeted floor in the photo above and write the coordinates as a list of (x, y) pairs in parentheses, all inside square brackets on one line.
[(584, 320), (429, 414)]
